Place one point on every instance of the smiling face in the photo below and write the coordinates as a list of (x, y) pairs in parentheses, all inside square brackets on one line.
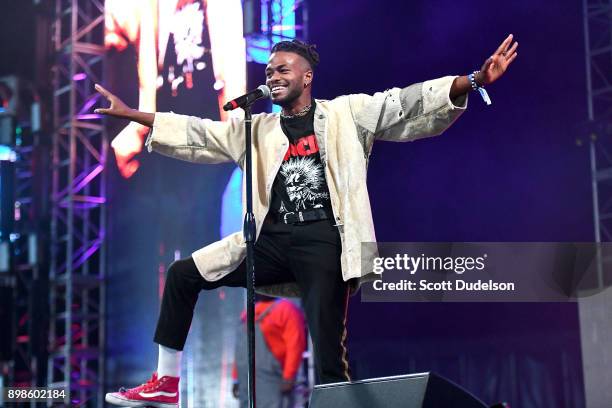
[(288, 75)]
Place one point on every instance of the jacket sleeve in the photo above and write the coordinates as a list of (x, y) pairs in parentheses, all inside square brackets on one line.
[(234, 372), (197, 140), (405, 114), (294, 337)]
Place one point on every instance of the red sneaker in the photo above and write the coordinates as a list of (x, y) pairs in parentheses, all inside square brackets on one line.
[(157, 392)]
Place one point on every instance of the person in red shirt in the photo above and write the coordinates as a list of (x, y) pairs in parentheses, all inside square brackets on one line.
[(280, 341)]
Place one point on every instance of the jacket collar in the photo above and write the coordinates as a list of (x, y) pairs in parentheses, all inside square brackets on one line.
[(320, 109), (320, 128)]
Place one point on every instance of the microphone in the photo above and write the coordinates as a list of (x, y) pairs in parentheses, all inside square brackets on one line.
[(262, 91)]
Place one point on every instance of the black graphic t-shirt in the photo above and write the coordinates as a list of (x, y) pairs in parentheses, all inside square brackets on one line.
[(300, 183)]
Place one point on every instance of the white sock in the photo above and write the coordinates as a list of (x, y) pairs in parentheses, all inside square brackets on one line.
[(168, 362)]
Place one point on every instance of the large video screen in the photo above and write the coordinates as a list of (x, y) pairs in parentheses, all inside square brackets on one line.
[(187, 57)]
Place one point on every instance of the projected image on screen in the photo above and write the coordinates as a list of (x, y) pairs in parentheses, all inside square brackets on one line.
[(172, 40), (187, 57)]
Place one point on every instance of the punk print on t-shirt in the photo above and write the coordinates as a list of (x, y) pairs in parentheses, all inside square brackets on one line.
[(300, 183)]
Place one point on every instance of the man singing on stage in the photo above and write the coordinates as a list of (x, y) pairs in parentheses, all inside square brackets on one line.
[(310, 198)]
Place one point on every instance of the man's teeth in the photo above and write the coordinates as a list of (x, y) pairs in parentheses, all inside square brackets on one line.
[(277, 88)]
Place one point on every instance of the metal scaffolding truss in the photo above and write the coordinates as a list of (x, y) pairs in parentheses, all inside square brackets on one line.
[(598, 46), (77, 272), (26, 264)]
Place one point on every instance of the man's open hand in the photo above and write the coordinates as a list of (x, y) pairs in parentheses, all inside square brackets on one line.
[(287, 386), (495, 66), (117, 108)]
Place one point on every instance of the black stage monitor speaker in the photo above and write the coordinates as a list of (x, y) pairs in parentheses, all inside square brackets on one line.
[(424, 390)]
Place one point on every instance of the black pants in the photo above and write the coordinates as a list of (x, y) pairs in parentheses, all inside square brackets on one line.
[(305, 253)]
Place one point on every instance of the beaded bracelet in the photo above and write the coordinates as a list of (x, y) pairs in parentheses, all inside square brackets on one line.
[(480, 89)]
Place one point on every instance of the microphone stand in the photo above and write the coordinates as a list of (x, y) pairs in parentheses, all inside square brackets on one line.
[(249, 231)]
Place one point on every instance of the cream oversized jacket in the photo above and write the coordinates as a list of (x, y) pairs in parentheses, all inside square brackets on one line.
[(345, 129)]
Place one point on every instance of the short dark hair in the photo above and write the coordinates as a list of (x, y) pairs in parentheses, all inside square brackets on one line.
[(307, 51)]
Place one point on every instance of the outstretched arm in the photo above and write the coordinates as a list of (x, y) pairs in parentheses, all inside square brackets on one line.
[(183, 137), (492, 69), (423, 109)]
